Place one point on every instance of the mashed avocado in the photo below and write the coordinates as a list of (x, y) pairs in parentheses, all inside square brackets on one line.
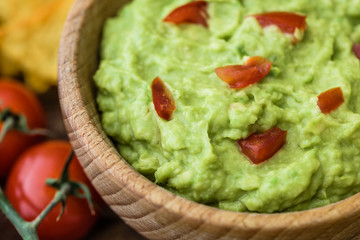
[(196, 154)]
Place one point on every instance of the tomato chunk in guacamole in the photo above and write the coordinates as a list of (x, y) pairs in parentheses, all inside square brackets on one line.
[(195, 152)]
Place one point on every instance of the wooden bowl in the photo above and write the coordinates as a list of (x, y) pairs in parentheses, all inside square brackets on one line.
[(151, 210)]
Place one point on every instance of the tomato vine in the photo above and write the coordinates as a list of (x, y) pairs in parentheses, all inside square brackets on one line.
[(64, 186)]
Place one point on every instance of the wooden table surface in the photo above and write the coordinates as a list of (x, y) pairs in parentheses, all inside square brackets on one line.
[(109, 226)]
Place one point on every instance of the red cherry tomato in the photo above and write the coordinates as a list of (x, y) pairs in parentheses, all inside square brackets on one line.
[(28, 193), (287, 22), (356, 49), (260, 147), (330, 100), (241, 76), (18, 99), (162, 98), (193, 12)]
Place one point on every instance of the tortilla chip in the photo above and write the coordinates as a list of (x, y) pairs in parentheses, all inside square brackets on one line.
[(32, 42), (16, 9)]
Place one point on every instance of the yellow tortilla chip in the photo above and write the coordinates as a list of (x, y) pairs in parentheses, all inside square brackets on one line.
[(32, 42), (16, 9)]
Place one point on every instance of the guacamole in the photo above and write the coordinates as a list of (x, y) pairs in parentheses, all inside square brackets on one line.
[(196, 153)]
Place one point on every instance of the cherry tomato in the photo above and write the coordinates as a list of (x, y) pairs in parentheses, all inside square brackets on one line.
[(162, 98), (193, 12), (260, 147), (330, 100), (28, 193), (241, 76), (19, 100)]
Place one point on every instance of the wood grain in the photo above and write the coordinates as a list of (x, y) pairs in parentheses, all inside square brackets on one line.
[(151, 210)]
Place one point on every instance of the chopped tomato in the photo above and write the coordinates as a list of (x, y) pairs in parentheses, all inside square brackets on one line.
[(356, 49), (241, 76), (330, 100), (288, 22), (260, 147), (193, 12), (162, 98)]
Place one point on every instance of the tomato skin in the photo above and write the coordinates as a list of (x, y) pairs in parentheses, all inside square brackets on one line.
[(288, 22), (193, 12), (260, 147), (162, 98), (28, 193), (330, 100), (18, 99), (242, 76), (356, 50)]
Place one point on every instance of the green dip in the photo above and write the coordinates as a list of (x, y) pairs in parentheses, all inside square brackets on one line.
[(196, 154)]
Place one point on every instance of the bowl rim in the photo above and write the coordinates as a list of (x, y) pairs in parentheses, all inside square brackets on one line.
[(69, 89)]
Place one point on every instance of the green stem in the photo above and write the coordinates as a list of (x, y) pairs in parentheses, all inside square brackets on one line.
[(8, 124), (25, 229), (59, 197), (65, 172), (18, 122)]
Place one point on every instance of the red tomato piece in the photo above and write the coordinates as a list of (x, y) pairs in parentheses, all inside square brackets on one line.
[(260, 147), (29, 195), (330, 100), (241, 76), (288, 22), (193, 12), (356, 49), (162, 98), (19, 100)]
